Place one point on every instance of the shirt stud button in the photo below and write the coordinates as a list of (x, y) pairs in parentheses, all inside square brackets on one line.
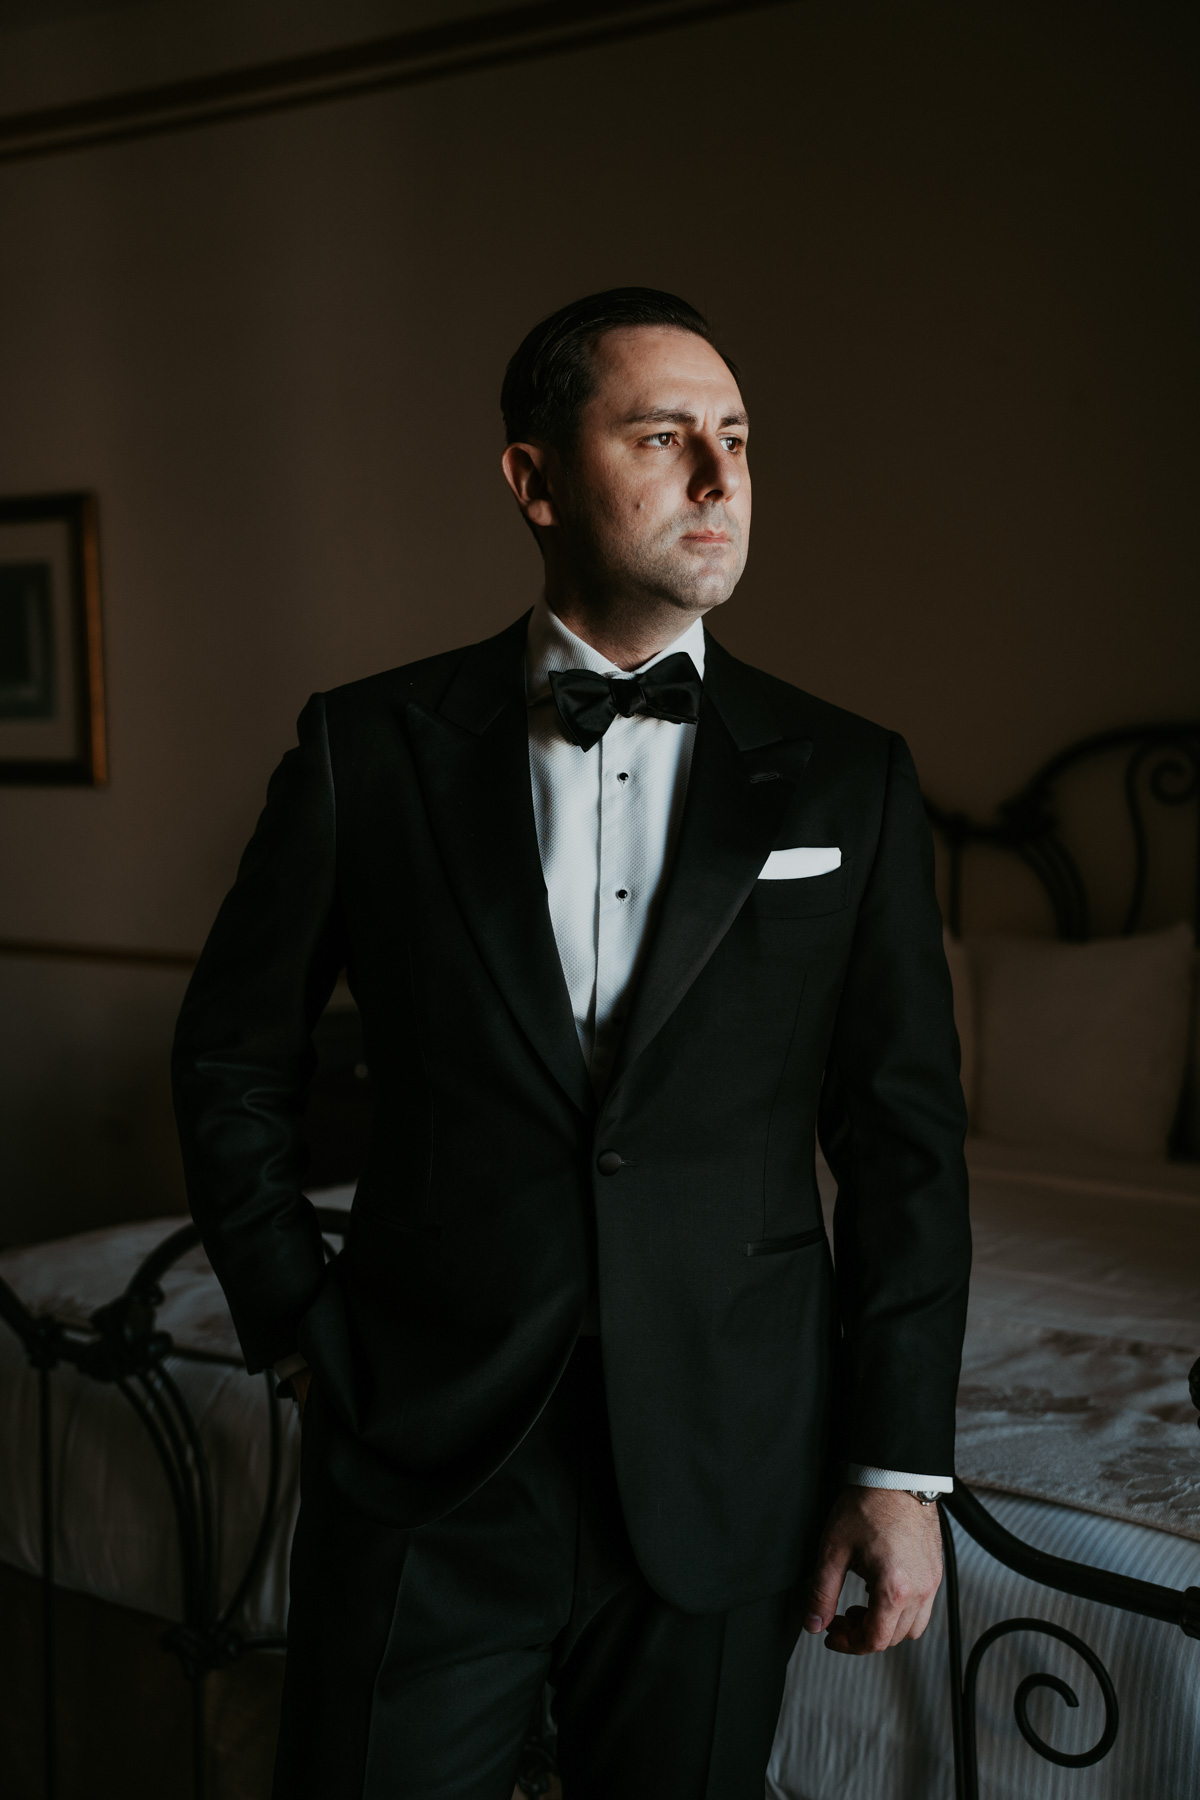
[(608, 1162), (623, 777), (622, 893)]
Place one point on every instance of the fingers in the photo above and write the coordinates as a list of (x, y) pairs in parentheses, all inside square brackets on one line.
[(915, 1618), (845, 1632), (855, 1633), (889, 1601), (864, 1630), (904, 1626), (833, 1563), (912, 1622)]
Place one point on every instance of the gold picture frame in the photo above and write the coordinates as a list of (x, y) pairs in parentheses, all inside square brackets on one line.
[(52, 725)]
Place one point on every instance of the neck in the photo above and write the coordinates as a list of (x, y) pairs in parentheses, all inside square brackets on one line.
[(627, 632)]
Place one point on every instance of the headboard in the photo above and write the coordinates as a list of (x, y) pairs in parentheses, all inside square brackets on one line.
[(1156, 764)]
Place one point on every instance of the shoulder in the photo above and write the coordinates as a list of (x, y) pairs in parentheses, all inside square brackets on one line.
[(494, 665), (424, 681), (794, 712)]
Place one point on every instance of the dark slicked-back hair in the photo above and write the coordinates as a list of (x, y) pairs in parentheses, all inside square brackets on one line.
[(550, 378)]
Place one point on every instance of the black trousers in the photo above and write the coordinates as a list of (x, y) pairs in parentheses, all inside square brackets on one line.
[(416, 1658)]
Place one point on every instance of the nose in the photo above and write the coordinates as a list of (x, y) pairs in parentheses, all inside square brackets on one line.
[(716, 474)]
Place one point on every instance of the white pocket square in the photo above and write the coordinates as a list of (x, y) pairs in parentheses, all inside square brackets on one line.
[(805, 859)]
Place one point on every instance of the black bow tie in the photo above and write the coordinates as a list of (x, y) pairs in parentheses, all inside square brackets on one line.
[(588, 703)]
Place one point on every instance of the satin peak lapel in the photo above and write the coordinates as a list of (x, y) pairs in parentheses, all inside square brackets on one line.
[(743, 777), (472, 758)]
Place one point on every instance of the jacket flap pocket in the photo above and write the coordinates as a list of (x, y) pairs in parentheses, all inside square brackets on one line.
[(796, 1240)]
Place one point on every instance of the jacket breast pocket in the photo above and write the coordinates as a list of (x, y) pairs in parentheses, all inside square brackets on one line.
[(806, 898)]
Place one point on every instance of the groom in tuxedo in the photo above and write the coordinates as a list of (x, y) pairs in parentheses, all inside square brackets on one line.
[(586, 1398)]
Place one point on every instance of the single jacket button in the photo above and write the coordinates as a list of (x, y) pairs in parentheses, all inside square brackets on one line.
[(608, 1162)]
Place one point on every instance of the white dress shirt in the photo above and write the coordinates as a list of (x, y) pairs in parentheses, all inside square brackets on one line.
[(607, 821)]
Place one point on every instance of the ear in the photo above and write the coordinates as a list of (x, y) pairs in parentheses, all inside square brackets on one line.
[(528, 475)]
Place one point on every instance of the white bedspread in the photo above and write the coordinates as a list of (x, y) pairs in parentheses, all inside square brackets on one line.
[(1084, 1322)]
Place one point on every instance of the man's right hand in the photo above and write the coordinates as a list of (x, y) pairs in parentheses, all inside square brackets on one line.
[(301, 1382)]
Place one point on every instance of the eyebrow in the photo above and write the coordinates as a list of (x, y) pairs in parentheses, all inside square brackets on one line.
[(668, 415)]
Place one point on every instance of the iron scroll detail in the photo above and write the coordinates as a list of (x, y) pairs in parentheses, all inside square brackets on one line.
[(1124, 1592), (1068, 1760), (1162, 763), (964, 1684)]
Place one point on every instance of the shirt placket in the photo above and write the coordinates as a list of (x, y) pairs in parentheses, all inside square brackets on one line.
[(618, 909)]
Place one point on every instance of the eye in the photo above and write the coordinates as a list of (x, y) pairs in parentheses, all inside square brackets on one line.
[(663, 439), (734, 444)]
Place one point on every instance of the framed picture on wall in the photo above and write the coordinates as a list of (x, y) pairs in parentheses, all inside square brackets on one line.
[(51, 665)]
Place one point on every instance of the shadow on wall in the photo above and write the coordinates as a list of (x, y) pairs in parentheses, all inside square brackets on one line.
[(86, 1120), (85, 1096)]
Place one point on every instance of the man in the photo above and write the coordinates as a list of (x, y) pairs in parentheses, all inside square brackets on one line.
[(583, 1397)]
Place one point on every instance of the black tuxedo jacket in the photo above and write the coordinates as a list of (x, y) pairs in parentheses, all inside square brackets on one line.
[(398, 840)]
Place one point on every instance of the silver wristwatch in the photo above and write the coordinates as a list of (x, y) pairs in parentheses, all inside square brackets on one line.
[(925, 1496)]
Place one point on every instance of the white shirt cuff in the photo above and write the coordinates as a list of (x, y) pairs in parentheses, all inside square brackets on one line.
[(290, 1365), (863, 1475)]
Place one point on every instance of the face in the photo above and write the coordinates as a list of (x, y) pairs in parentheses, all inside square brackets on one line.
[(652, 504)]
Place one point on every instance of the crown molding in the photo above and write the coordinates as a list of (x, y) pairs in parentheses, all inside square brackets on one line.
[(404, 59)]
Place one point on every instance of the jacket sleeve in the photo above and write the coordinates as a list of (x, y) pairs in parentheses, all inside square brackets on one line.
[(243, 1055), (892, 1127)]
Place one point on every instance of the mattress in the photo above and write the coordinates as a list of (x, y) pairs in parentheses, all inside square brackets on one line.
[(1083, 1325)]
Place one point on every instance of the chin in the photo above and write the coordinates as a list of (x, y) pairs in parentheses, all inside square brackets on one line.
[(697, 589), (699, 596)]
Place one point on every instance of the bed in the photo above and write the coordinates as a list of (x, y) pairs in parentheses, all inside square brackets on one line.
[(145, 1469)]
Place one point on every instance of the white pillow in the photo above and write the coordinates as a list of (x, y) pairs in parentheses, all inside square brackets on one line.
[(1081, 1045), (964, 1011)]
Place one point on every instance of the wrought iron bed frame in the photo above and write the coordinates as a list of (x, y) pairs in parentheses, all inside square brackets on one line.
[(125, 1346), (1162, 759)]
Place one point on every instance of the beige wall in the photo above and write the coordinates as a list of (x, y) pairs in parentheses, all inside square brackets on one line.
[(953, 248)]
